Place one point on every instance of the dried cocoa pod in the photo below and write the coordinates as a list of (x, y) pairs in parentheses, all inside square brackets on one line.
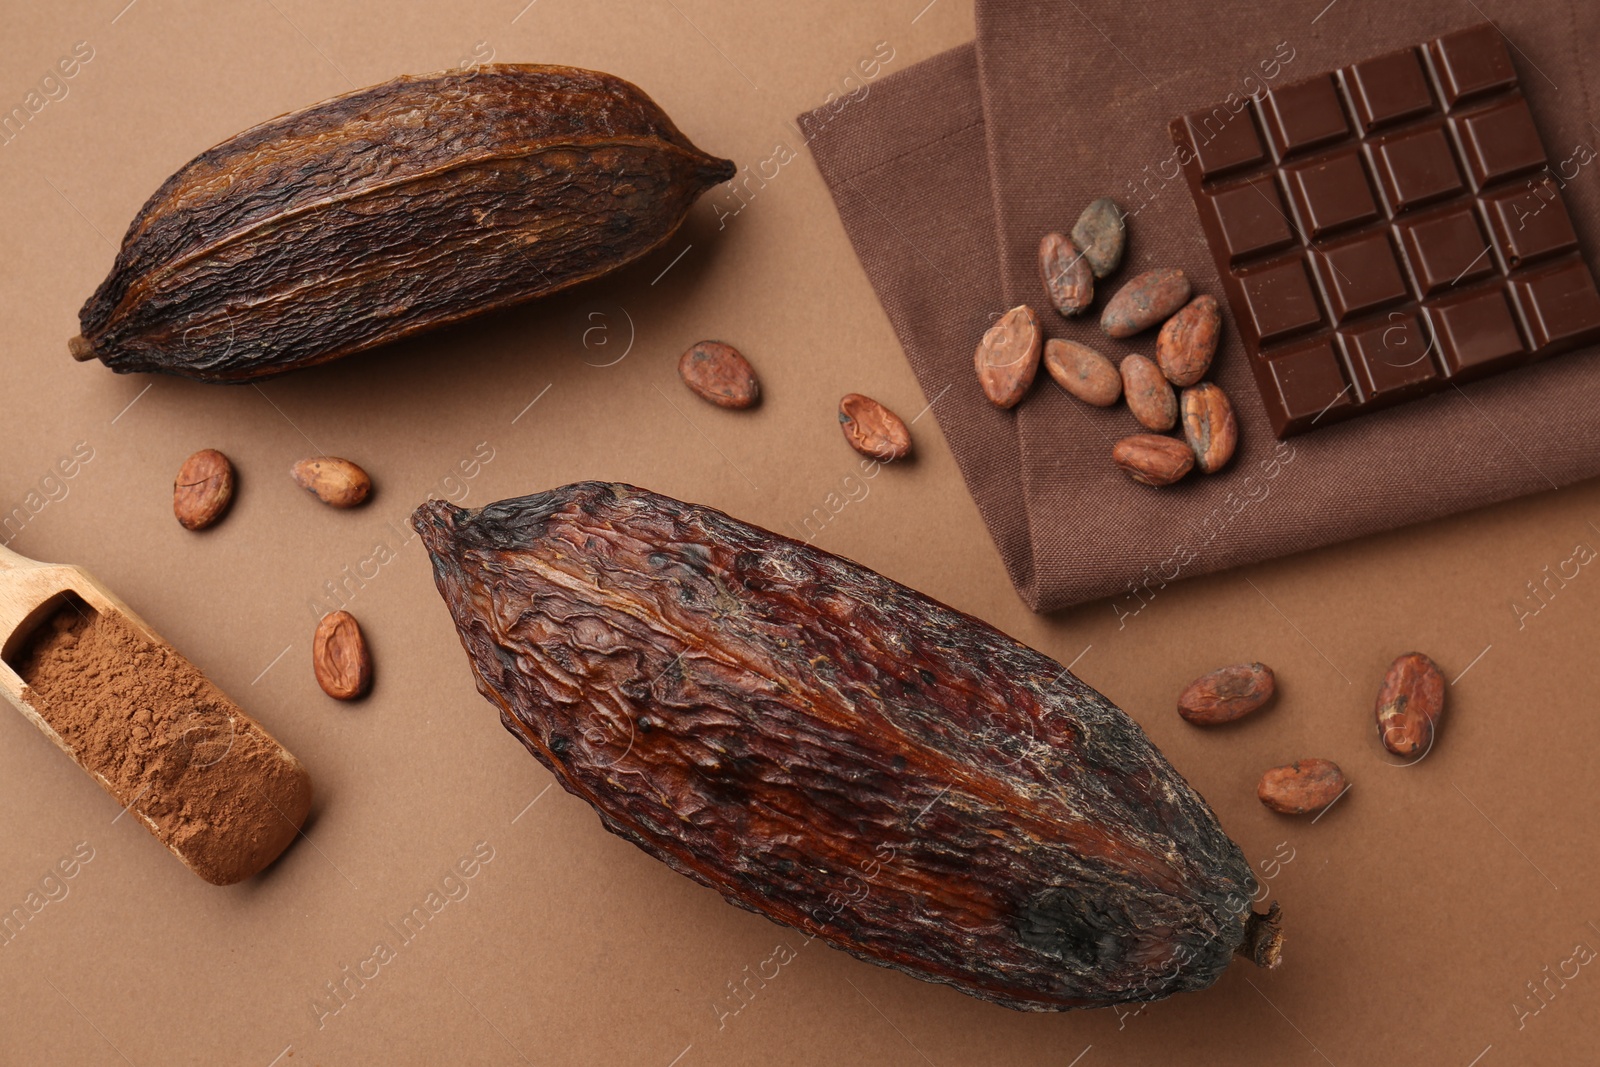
[(1101, 234), (1083, 372), (1067, 275), (1008, 356), (1209, 426), (719, 373), (1188, 341), (389, 211), (1144, 301), (1410, 702), (1149, 394), (872, 429), (1226, 694), (203, 489), (842, 754), (1303, 787), (1153, 459)]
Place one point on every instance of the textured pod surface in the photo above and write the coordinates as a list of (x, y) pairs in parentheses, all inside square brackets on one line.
[(388, 211), (837, 752)]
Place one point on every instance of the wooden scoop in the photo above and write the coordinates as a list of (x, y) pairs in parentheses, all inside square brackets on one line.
[(202, 776)]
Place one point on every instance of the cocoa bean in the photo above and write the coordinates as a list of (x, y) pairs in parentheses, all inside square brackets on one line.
[(1008, 356), (334, 481), (1153, 459), (1226, 694), (1149, 394), (1188, 341), (339, 657), (719, 373), (1066, 273), (872, 429), (1145, 301), (203, 489), (1083, 372), (1209, 426), (1410, 702), (1301, 788), (1100, 233)]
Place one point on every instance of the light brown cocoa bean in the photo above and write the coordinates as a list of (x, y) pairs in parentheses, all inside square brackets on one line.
[(1008, 356), (1083, 372), (1149, 394), (1188, 341), (1301, 788), (1068, 277), (1226, 694), (1209, 426), (1410, 702), (203, 489), (339, 657), (1153, 459), (719, 373), (1145, 301), (872, 429), (1101, 234), (334, 481)]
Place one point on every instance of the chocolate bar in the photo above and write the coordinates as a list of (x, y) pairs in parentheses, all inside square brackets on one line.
[(1387, 230)]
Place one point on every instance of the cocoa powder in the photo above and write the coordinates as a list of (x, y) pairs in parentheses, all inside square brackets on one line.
[(208, 781)]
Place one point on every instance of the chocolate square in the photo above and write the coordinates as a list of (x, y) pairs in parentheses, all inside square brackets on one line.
[(1426, 246), (1389, 88), (1445, 248), (1305, 114), (1416, 167), (1331, 192), (1223, 140)]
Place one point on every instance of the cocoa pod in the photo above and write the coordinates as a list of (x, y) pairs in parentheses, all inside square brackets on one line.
[(872, 429), (1209, 426), (1188, 341), (719, 373), (840, 753), (1153, 459), (1083, 372), (1144, 301), (1410, 702), (1068, 278), (334, 481), (1149, 394), (339, 657), (388, 211), (1101, 234), (203, 489), (1303, 787), (1008, 356), (1226, 694)]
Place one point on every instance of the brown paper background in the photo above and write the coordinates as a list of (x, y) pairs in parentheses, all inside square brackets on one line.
[(1417, 908)]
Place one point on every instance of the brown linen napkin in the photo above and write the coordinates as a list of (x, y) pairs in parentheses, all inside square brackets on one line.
[(1076, 106)]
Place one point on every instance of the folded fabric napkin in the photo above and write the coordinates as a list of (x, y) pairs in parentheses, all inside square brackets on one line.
[(948, 173)]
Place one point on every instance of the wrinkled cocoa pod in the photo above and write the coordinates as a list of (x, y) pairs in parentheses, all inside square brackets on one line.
[(1149, 394), (334, 481), (203, 489), (1410, 702), (1188, 341), (1083, 372), (1303, 787), (872, 429), (339, 657), (1226, 694), (720, 373), (1153, 459), (1067, 276), (1008, 356), (1100, 233), (839, 753), (1209, 426), (389, 211), (1144, 301)]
